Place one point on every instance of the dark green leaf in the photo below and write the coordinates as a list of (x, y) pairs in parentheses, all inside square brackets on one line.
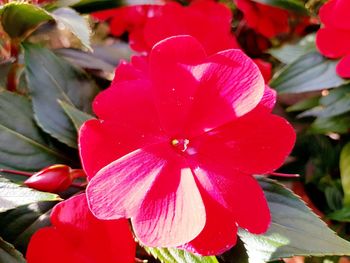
[(20, 18), (294, 230), (88, 6), (308, 73), (8, 254), (291, 5), (170, 255), (304, 104), (86, 60), (18, 225), (103, 58), (13, 195), (338, 124), (342, 215), (78, 117), (290, 52), (74, 23), (51, 79), (344, 165), (22, 144), (237, 254), (113, 53), (5, 67), (336, 102), (334, 197)]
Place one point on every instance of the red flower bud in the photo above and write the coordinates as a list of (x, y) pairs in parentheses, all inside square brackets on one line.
[(55, 178)]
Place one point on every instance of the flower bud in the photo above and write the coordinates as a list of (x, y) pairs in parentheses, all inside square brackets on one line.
[(55, 178)]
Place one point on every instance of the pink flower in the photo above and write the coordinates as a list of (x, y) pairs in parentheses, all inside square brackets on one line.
[(77, 236), (179, 136), (206, 20), (333, 40)]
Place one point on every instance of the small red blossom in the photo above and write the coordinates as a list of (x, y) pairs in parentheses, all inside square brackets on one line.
[(77, 236), (333, 40), (148, 24), (54, 179), (271, 21), (266, 20), (179, 136)]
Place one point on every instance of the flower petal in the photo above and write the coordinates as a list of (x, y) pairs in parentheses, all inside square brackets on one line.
[(258, 142), (335, 13), (268, 100), (219, 233), (230, 86), (129, 121), (118, 189), (333, 49), (172, 83), (172, 213), (92, 147), (343, 67), (48, 245), (237, 192), (197, 19), (97, 240)]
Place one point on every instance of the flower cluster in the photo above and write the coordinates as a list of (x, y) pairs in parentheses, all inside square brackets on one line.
[(148, 24)]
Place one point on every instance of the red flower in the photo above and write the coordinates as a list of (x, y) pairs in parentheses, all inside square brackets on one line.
[(333, 40), (272, 21), (208, 21), (267, 20), (77, 236), (178, 140)]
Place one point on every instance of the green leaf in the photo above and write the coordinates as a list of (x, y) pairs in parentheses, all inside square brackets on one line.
[(338, 124), (336, 102), (78, 117), (297, 6), (170, 255), (294, 230), (310, 72), (344, 164), (334, 197), (22, 145), (50, 79), (18, 225), (8, 254), (5, 67), (20, 18), (342, 215), (88, 6), (304, 104), (86, 60), (290, 52), (103, 60), (12, 195), (75, 23)]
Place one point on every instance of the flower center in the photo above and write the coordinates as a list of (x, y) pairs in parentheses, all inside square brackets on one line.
[(180, 144)]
